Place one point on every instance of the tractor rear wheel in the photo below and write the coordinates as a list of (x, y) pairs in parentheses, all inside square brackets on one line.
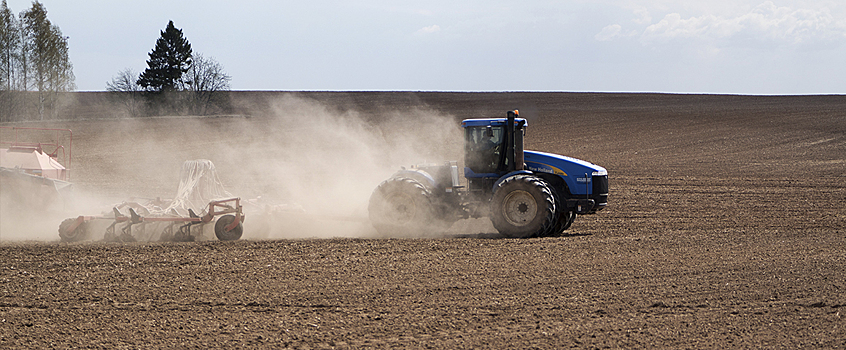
[(523, 206), (400, 205), (220, 229)]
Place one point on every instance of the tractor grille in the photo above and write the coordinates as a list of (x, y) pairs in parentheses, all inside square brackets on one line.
[(600, 190)]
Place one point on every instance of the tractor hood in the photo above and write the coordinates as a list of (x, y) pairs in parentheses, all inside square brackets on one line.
[(561, 165), (572, 170)]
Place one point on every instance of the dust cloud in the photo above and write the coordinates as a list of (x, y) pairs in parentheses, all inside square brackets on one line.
[(23, 219), (303, 169), (327, 162)]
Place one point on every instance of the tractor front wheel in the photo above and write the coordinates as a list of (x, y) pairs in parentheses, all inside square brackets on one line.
[(564, 221), (523, 206)]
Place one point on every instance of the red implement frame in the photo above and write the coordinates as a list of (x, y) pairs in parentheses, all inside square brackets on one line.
[(56, 145), (215, 208)]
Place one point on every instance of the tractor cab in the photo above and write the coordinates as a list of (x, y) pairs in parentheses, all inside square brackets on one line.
[(491, 148)]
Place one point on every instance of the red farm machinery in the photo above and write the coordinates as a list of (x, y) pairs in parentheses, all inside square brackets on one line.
[(33, 172), (35, 184), (199, 190)]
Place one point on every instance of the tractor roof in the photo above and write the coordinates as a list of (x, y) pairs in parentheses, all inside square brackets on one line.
[(490, 121)]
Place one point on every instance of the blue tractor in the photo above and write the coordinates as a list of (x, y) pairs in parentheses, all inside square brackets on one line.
[(525, 193)]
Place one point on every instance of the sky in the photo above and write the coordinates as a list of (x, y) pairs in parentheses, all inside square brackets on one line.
[(758, 47)]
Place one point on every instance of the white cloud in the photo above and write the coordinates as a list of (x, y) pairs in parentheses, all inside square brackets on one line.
[(643, 16), (764, 23), (608, 32), (428, 30)]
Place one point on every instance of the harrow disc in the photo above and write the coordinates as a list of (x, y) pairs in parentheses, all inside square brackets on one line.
[(220, 229)]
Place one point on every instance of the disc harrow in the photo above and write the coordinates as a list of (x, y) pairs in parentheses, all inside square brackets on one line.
[(170, 226)]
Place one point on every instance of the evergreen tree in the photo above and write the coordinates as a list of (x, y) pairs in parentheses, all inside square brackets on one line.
[(169, 60)]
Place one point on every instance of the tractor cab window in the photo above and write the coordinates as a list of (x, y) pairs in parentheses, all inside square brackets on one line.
[(483, 146)]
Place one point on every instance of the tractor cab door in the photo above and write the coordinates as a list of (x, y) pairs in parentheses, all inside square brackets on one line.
[(483, 148)]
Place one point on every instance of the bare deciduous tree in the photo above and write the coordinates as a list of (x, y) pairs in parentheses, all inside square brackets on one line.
[(9, 45), (127, 92), (10, 40), (124, 82), (44, 61), (207, 82)]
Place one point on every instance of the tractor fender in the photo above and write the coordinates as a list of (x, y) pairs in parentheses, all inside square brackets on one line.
[(421, 176), (501, 179)]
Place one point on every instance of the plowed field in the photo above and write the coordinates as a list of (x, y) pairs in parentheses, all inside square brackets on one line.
[(725, 227)]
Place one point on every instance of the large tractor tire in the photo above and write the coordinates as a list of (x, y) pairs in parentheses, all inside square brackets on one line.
[(401, 206), (220, 229), (565, 219), (523, 206), (554, 229)]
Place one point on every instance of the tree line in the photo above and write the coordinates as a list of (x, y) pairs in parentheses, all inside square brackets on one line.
[(176, 81), (36, 72), (34, 64)]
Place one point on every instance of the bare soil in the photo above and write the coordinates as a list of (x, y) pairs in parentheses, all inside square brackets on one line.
[(725, 228)]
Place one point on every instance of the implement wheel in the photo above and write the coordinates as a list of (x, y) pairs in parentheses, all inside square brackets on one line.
[(78, 234), (523, 206), (220, 229)]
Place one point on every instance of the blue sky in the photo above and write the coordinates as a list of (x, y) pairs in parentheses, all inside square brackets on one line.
[(715, 46)]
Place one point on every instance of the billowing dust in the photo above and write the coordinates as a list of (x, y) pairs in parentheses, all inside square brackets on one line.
[(318, 162)]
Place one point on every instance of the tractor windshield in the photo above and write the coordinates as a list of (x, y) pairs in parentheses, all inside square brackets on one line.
[(482, 149)]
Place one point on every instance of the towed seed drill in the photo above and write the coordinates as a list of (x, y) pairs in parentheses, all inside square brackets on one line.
[(33, 176)]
